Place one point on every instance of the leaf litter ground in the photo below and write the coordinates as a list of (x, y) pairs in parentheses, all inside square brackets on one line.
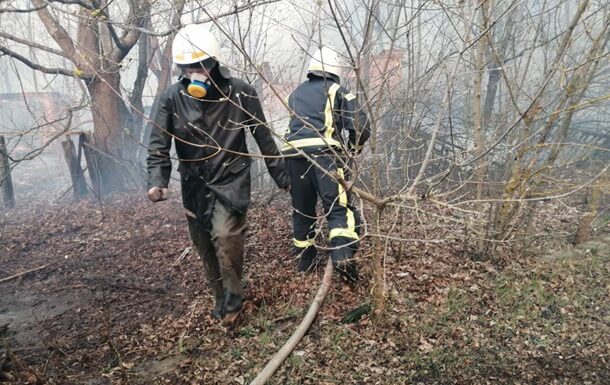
[(124, 302)]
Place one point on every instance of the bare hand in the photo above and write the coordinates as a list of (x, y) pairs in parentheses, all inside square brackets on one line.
[(157, 194)]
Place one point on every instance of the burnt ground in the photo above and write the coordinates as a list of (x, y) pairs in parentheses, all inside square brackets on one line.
[(121, 302)]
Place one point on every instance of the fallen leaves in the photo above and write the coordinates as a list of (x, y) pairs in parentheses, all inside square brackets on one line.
[(448, 319)]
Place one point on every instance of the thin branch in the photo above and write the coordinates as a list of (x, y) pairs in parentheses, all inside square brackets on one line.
[(443, 110), (57, 32), (21, 10), (73, 2), (232, 12), (548, 76), (11, 277), (47, 70), (33, 45), (131, 35)]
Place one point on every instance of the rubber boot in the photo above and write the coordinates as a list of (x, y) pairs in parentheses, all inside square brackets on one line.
[(306, 259), (345, 264), (233, 304), (218, 311), (348, 271)]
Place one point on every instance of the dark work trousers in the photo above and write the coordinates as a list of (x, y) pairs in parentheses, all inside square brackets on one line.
[(222, 253), (307, 183)]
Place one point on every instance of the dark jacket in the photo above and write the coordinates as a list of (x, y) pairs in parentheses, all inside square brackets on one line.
[(323, 111), (210, 141)]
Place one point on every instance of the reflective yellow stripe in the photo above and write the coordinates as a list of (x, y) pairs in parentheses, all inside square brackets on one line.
[(316, 67), (350, 96), (329, 127), (310, 142), (303, 244), (350, 231), (197, 54), (194, 56), (346, 233)]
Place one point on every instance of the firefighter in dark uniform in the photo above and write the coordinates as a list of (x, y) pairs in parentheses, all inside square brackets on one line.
[(326, 124), (207, 113)]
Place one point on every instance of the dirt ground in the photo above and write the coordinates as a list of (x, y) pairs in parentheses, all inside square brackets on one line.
[(121, 300)]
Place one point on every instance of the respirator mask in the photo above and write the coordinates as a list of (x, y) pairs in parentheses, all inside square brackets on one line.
[(200, 82), (199, 85)]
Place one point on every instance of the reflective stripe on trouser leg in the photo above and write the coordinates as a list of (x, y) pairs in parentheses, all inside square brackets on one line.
[(304, 197), (342, 221), (303, 244), (349, 231)]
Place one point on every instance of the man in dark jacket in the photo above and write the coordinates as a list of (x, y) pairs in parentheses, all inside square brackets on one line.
[(206, 113), (323, 112)]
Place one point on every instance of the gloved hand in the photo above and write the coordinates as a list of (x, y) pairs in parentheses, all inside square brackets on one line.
[(157, 194)]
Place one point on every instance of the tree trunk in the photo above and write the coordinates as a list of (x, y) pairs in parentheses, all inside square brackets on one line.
[(164, 77), (108, 134), (584, 226), (379, 290), (479, 136), (493, 77), (478, 128), (79, 187), (91, 158), (137, 113), (8, 194), (520, 170)]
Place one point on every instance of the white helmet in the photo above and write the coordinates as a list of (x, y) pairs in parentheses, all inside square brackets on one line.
[(195, 43), (326, 60)]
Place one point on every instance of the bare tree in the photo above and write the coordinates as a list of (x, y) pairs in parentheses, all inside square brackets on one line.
[(476, 107)]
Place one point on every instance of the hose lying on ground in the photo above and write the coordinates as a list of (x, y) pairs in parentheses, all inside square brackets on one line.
[(300, 331)]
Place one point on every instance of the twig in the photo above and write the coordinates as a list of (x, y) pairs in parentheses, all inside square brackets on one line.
[(300, 331), (64, 193), (186, 252), (188, 326), (25, 272)]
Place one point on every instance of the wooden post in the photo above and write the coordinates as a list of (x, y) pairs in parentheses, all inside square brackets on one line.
[(79, 186), (92, 163), (8, 194)]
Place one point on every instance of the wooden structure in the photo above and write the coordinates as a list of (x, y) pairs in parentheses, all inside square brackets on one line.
[(29, 123), (79, 186), (6, 183)]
